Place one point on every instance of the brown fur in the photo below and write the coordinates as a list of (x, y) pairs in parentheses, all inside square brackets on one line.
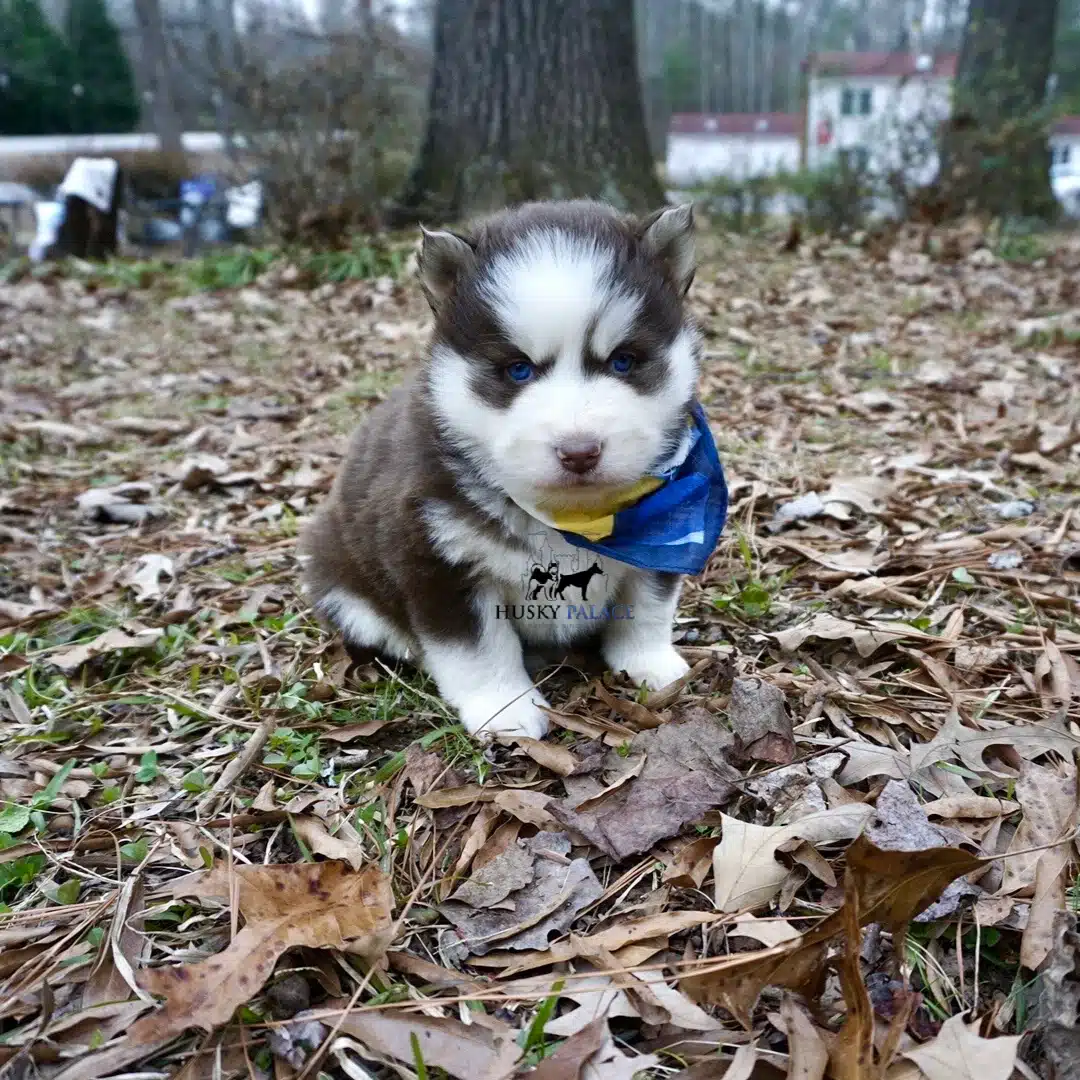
[(369, 535)]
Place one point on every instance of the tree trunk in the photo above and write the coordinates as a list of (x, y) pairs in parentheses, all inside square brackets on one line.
[(532, 99), (219, 27), (995, 153), (155, 60)]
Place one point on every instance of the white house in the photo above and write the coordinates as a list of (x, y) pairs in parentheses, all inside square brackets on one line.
[(882, 109), (1065, 146), (701, 146)]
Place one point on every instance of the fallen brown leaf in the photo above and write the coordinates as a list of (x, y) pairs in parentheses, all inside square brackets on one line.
[(321, 841), (568, 1061), (1061, 998), (744, 863), (614, 938), (322, 905), (685, 773), (465, 1051), (552, 756), (527, 914), (692, 863), (135, 637), (959, 1053), (806, 1049), (851, 1053), (895, 886), (759, 718)]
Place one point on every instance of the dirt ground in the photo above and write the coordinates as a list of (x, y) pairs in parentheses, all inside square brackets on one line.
[(204, 802)]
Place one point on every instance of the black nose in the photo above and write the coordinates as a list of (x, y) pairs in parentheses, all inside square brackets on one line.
[(579, 455)]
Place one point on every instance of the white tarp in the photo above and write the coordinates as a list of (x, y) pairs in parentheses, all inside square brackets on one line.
[(243, 204), (92, 179), (49, 216)]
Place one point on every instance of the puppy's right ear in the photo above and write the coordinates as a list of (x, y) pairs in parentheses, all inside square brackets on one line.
[(444, 258)]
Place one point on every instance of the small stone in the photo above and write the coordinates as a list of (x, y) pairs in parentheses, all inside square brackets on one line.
[(289, 996), (1015, 508)]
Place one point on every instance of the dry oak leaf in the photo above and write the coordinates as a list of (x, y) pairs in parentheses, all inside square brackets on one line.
[(465, 1051), (552, 756), (457, 796), (744, 863), (622, 994), (759, 718), (1049, 799), (867, 639), (890, 887), (619, 934), (340, 845), (685, 774), (1060, 1000), (71, 659), (591, 1054), (320, 905), (691, 863), (959, 1053), (974, 807), (532, 907), (736, 982), (145, 576), (569, 1059), (955, 739), (895, 886), (806, 1048)]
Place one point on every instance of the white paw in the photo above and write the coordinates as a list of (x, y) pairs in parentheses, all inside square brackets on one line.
[(655, 667), (486, 718)]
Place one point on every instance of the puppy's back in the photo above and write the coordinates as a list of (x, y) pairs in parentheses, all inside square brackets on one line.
[(364, 531)]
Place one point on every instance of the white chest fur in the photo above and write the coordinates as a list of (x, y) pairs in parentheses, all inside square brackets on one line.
[(553, 592)]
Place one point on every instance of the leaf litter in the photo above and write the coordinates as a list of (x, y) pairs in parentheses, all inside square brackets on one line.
[(844, 844)]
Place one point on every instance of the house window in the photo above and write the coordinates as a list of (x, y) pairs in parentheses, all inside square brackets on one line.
[(1060, 155), (856, 158), (856, 102)]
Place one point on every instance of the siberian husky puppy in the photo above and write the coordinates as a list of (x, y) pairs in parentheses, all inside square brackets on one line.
[(561, 372)]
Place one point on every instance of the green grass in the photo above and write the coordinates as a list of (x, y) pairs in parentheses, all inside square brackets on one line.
[(366, 257)]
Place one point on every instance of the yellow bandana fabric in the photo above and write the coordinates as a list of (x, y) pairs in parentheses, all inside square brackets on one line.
[(598, 522)]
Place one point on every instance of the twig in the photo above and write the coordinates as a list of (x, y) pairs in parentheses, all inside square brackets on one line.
[(239, 764)]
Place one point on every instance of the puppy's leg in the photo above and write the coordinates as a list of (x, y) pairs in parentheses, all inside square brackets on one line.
[(477, 663), (362, 626), (641, 645)]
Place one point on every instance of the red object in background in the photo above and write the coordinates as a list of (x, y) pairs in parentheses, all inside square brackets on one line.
[(824, 132)]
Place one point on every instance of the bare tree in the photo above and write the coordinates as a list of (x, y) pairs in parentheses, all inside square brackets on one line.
[(529, 99), (328, 123), (158, 76)]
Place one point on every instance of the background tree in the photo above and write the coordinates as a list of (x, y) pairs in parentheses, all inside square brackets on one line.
[(104, 97), (996, 158), (532, 99), (36, 65), (1067, 57), (158, 76)]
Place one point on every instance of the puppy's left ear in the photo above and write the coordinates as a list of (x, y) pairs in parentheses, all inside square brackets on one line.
[(443, 258), (668, 236)]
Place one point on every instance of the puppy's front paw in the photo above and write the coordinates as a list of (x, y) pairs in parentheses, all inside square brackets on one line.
[(656, 666), (486, 718)]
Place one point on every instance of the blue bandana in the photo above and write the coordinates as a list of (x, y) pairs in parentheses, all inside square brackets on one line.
[(675, 527)]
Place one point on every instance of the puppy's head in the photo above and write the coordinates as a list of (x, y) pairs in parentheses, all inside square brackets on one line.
[(563, 361)]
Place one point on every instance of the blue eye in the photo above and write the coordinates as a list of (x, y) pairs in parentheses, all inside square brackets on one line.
[(521, 371), (621, 362)]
